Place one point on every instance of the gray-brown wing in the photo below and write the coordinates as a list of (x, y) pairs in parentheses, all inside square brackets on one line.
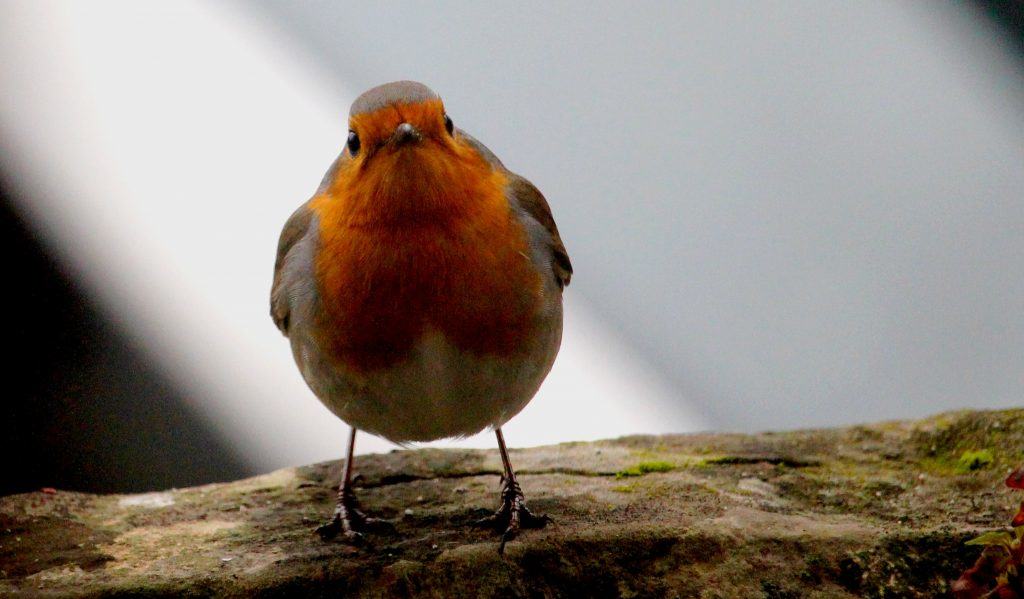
[(532, 202), (294, 230)]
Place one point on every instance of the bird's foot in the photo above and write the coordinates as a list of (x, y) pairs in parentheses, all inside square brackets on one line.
[(512, 515), (350, 521)]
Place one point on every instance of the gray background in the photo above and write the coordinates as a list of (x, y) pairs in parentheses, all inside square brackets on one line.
[(804, 213)]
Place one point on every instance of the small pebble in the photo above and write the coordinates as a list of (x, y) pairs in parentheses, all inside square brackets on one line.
[(757, 486), (226, 559), (408, 511)]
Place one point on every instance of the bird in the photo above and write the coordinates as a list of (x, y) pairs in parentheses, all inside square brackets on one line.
[(420, 288)]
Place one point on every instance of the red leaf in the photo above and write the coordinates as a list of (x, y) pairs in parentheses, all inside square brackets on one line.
[(964, 588), (1016, 479), (49, 490), (978, 580), (1018, 520), (972, 583)]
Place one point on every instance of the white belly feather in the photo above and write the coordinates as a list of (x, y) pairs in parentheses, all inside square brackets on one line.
[(438, 391)]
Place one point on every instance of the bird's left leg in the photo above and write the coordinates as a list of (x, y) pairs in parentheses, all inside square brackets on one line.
[(512, 515), (348, 518)]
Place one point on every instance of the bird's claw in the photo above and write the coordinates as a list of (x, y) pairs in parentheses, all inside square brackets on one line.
[(512, 515), (333, 527), (350, 521)]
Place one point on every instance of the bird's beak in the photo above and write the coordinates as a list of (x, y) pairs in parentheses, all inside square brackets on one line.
[(404, 134)]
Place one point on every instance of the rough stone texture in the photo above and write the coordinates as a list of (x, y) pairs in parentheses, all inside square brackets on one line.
[(876, 511)]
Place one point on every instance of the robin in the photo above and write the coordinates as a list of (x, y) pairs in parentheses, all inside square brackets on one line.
[(421, 289)]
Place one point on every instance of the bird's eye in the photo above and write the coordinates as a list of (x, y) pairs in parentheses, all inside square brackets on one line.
[(449, 125), (353, 143)]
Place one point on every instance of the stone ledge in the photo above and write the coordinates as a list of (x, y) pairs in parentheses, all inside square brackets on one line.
[(878, 510)]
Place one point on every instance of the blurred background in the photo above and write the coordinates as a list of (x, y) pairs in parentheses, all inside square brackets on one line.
[(781, 214)]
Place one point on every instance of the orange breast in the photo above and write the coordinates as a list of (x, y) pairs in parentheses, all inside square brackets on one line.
[(422, 241)]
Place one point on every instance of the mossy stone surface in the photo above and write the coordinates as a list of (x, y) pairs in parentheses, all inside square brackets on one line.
[(870, 511)]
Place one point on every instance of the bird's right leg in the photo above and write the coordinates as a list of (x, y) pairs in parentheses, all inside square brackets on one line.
[(348, 519), (512, 515)]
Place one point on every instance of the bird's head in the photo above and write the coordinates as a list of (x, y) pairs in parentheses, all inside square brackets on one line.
[(404, 155), (396, 117)]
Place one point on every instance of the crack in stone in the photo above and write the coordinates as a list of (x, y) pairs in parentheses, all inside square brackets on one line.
[(402, 478)]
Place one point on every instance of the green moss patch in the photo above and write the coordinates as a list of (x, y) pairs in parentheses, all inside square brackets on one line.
[(646, 468), (974, 460)]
